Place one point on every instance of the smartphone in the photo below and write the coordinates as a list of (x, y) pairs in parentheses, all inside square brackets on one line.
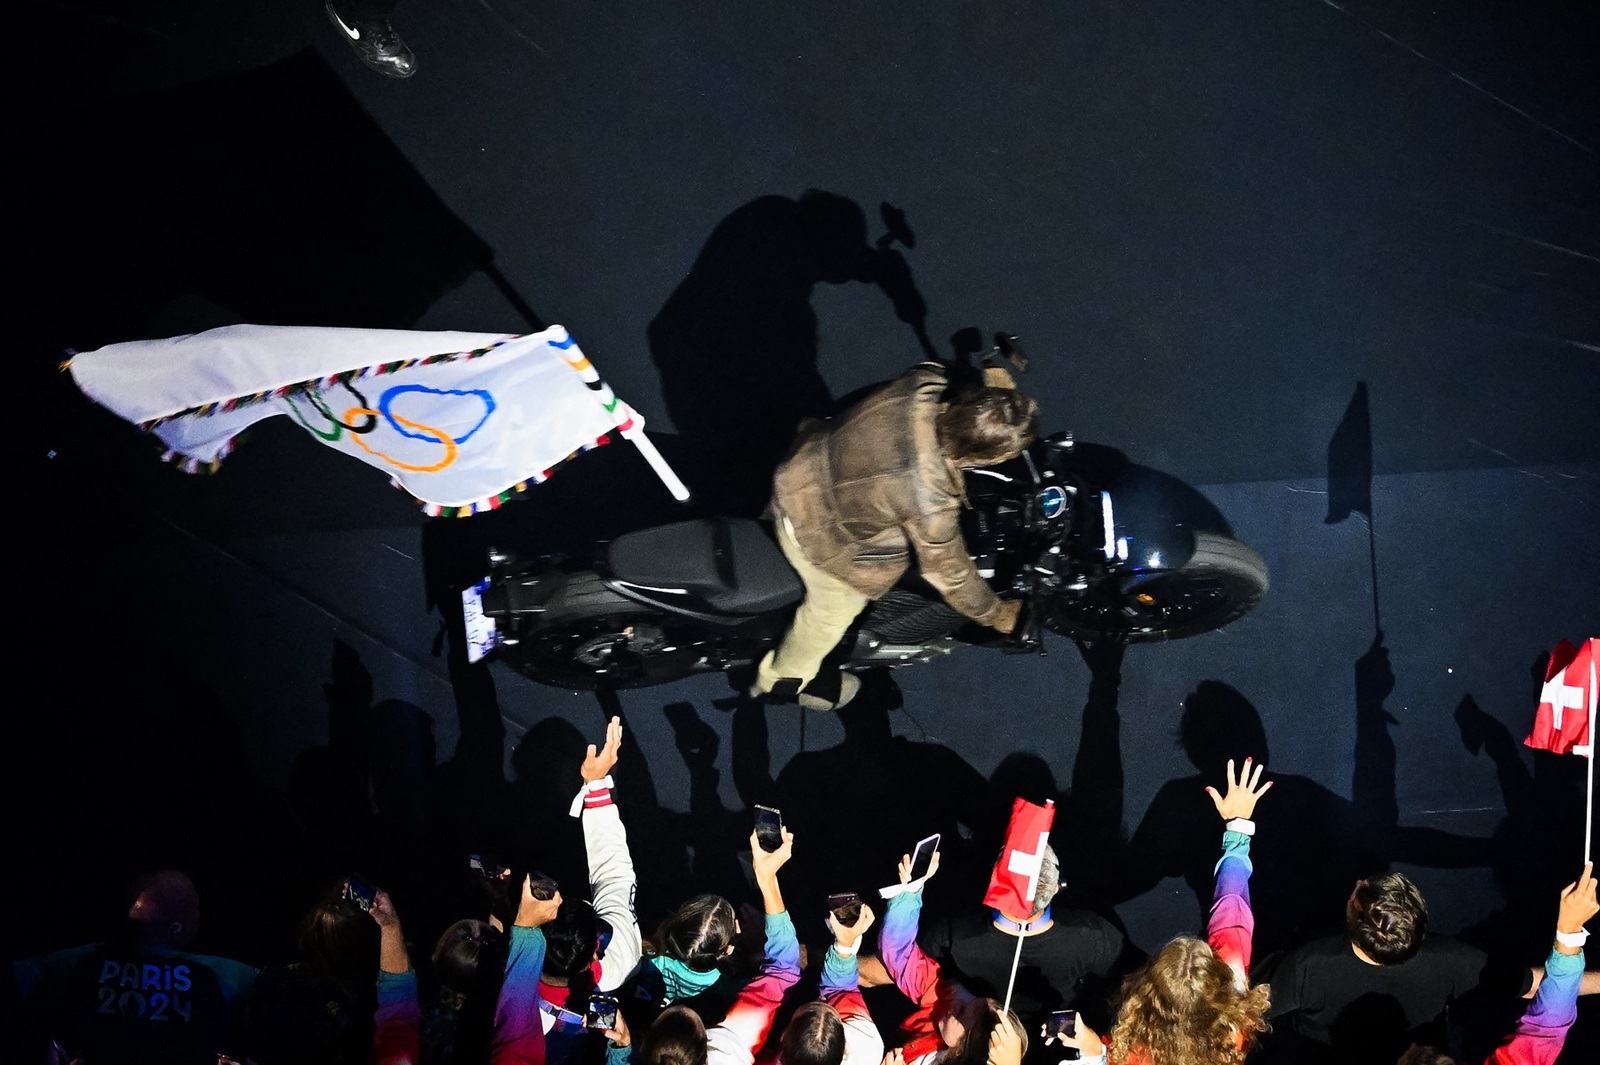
[(846, 907), (485, 868), (601, 1013), (769, 824), (922, 856), (542, 887), (1062, 1025), (359, 893)]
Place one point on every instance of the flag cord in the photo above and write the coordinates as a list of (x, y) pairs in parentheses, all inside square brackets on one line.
[(1011, 981)]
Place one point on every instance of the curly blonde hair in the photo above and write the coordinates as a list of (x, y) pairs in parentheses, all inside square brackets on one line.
[(1184, 1007)]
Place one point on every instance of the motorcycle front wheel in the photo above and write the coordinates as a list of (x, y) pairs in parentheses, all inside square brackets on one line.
[(1222, 581)]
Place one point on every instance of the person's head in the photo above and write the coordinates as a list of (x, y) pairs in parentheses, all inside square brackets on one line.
[(469, 958), (571, 941), (1421, 1055), (676, 1037), (966, 1028), (1185, 1006), (984, 426), (1049, 880), (1386, 918), (815, 1036), (165, 910), (699, 933), (338, 940)]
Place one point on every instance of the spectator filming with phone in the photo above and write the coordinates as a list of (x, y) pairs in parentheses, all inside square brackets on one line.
[(949, 1025)]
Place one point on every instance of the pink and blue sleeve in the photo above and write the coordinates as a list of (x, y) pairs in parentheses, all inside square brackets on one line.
[(841, 989), (396, 1040), (518, 1031), (748, 1021), (913, 972), (1542, 1032), (1232, 925)]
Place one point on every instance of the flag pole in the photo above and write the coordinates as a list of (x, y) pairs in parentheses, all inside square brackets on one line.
[(1011, 981), (647, 448), (1588, 813)]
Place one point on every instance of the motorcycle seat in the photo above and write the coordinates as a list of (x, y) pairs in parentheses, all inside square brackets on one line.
[(731, 564)]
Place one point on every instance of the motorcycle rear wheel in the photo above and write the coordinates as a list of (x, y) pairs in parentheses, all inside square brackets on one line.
[(630, 650), (1220, 583)]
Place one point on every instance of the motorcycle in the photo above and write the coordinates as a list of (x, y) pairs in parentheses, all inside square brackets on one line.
[(1095, 546)]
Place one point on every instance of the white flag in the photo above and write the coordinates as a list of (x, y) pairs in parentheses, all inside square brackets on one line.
[(461, 421)]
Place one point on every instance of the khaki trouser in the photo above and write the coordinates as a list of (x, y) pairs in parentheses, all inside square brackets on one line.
[(826, 612)]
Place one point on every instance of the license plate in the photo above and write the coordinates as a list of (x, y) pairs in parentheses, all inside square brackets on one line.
[(481, 634)]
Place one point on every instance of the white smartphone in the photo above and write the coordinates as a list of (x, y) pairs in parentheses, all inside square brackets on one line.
[(922, 856)]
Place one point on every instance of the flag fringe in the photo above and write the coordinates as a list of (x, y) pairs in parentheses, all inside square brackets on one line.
[(494, 502), (312, 384)]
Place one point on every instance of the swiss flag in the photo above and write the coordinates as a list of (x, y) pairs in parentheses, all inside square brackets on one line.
[(1015, 881), (1567, 701)]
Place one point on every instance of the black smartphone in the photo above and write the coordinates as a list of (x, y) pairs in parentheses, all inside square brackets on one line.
[(769, 824), (485, 868), (846, 907), (1062, 1025), (601, 1013), (542, 887), (360, 893), (922, 856)]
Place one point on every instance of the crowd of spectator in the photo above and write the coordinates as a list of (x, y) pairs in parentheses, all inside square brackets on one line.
[(564, 974)]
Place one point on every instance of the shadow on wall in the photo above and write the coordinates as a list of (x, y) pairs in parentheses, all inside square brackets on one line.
[(736, 343)]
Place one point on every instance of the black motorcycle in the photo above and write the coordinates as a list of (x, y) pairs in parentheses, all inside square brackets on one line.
[(1094, 545)]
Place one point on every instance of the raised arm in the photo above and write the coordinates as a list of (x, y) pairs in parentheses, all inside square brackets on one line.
[(612, 881), (1231, 925), (396, 1040), (913, 972), (1542, 1031), (749, 1020), (841, 989), (518, 1032)]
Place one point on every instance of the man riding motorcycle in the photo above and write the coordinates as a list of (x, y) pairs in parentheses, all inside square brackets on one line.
[(858, 496)]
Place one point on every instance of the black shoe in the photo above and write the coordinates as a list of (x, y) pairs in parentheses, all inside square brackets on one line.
[(376, 42)]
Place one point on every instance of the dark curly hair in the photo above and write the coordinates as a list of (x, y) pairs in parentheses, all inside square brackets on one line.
[(1387, 918)]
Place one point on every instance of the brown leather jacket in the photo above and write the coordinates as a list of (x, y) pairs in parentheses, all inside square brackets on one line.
[(866, 490)]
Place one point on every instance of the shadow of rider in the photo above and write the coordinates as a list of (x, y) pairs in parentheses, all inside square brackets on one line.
[(736, 342)]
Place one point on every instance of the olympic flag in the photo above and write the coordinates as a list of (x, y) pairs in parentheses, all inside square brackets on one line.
[(461, 421)]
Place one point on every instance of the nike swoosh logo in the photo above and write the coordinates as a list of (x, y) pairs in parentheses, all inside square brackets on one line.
[(355, 34)]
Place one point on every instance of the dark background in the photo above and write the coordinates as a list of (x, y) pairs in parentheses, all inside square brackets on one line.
[(1210, 225)]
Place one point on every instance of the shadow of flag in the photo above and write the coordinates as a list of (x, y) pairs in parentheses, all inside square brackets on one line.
[(1350, 461)]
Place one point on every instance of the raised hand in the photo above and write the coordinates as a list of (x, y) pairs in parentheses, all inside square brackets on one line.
[(767, 863), (598, 764), (383, 910), (1244, 790), (1578, 903), (533, 911), (848, 934)]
